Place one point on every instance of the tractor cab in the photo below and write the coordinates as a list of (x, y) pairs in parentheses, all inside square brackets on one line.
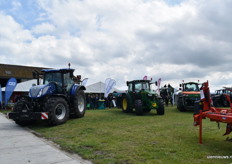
[(63, 78), (191, 86), (138, 85), (55, 81)]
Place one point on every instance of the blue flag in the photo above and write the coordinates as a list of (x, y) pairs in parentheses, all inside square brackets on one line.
[(0, 94), (10, 86)]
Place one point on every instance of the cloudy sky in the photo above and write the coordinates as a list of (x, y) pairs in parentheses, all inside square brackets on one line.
[(123, 39)]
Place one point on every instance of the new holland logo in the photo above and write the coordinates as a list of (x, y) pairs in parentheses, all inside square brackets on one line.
[(44, 116)]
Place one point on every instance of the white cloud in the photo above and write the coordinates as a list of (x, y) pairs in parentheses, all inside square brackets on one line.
[(126, 40), (44, 28)]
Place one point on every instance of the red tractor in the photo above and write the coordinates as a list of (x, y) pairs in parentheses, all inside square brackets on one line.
[(205, 109)]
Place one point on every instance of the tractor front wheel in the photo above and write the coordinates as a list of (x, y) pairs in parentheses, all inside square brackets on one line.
[(160, 109), (180, 105), (138, 107), (58, 110)]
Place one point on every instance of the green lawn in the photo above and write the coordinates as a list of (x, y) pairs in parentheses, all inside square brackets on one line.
[(111, 136)]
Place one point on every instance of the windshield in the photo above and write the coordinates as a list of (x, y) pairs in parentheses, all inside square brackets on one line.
[(191, 87), (53, 77), (140, 86)]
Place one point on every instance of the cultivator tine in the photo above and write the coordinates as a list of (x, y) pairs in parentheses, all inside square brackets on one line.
[(228, 129), (218, 124)]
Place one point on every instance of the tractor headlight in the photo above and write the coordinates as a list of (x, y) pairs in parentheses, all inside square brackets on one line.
[(40, 93), (43, 91)]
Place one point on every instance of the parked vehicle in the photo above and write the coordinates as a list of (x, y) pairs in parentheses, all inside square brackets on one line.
[(141, 98), (189, 93), (57, 99), (220, 98)]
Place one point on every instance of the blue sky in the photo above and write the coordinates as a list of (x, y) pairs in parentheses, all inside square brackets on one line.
[(125, 40), (27, 13)]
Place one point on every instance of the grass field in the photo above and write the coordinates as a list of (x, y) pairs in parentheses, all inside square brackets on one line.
[(111, 136)]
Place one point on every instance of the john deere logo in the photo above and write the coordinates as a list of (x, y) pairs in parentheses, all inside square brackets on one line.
[(154, 104)]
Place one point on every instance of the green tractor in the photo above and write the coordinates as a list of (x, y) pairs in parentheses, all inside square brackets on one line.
[(189, 93), (141, 98)]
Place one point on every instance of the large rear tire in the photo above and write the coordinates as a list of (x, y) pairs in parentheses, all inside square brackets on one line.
[(126, 107), (58, 110), (138, 107), (79, 104)]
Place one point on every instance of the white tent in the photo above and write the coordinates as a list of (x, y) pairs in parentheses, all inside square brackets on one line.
[(23, 86), (98, 87)]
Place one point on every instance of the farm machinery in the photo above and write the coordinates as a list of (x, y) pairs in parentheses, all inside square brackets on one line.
[(186, 98), (142, 98), (205, 109), (59, 97), (220, 99)]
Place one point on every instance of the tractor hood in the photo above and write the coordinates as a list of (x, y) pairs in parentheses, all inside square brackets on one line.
[(151, 93), (42, 90), (191, 94)]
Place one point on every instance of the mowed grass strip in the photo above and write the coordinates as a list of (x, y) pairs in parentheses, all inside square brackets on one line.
[(111, 136)]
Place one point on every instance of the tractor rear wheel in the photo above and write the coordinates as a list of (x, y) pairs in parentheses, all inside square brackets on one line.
[(58, 110), (160, 109), (126, 107), (138, 107), (79, 104)]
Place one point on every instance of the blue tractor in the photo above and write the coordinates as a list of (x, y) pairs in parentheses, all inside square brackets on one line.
[(59, 97)]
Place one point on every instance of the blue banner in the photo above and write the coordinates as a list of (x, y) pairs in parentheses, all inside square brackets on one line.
[(10, 86), (0, 94)]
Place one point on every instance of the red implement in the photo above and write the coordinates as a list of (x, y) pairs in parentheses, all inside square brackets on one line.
[(205, 109)]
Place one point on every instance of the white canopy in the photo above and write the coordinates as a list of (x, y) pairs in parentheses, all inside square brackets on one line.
[(98, 87)]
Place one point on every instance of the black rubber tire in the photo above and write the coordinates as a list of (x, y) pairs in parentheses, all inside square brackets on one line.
[(18, 107), (58, 110), (138, 107), (126, 107), (160, 109), (181, 106), (79, 104), (147, 110)]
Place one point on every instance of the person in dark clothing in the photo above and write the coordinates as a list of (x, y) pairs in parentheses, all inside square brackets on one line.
[(170, 93), (92, 102), (164, 94), (96, 101), (110, 98), (88, 101)]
